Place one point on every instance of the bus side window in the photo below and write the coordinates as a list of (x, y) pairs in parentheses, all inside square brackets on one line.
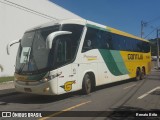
[(90, 41), (99, 40), (106, 41), (64, 53)]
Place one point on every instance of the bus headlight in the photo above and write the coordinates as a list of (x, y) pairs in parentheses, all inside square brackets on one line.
[(46, 79), (46, 89)]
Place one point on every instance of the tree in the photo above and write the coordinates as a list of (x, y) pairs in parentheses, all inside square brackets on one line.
[(153, 43)]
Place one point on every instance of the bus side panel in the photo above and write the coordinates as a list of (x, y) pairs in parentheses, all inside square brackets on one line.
[(67, 80), (136, 59), (112, 66), (88, 62)]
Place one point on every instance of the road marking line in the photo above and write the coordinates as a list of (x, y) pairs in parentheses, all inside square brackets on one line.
[(65, 110), (144, 95), (130, 86)]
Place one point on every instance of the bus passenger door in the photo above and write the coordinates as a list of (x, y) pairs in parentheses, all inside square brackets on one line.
[(66, 80)]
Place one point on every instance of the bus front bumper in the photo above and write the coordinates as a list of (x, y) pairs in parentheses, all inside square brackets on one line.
[(45, 88)]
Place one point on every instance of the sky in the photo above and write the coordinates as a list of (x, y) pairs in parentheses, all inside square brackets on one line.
[(125, 15)]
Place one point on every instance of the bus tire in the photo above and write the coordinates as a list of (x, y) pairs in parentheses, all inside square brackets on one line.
[(142, 73), (86, 85), (138, 74)]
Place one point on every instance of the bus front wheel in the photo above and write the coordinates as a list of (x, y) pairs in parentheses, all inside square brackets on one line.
[(87, 85)]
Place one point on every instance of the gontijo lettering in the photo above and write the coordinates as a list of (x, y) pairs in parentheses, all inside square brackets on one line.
[(135, 56)]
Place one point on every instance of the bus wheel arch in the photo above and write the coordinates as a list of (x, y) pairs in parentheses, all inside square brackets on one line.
[(88, 83)]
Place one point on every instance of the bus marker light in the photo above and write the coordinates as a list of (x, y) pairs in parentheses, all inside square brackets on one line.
[(46, 89), (44, 80)]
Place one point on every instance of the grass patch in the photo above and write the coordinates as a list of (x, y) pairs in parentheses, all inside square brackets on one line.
[(6, 79)]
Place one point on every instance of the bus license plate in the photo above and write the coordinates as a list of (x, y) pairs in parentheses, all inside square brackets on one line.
[(27, 90)]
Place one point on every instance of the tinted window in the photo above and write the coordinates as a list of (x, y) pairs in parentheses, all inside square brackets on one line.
[(105, 40), (32, 55), (91, 40), (74, 37), (64, 53), (67, 45)]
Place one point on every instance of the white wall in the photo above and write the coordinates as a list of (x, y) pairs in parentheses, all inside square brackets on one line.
[(16, 16)]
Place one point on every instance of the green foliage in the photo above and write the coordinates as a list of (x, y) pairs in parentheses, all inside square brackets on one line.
[(6, 79), (153, 43)]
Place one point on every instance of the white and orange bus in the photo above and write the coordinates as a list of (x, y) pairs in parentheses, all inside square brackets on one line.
[(69, 55)]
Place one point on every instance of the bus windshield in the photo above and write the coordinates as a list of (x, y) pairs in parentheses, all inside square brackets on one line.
[(33, 56)]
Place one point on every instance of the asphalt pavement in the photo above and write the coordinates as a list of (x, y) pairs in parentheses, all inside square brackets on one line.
[(129, 99), (7, 88)]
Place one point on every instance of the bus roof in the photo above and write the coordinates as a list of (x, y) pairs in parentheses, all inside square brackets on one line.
[(63, 21), (88, 23)]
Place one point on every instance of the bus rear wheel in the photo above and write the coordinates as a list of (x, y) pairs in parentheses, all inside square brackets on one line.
[(142, 73), (138, 74), (87, 85)]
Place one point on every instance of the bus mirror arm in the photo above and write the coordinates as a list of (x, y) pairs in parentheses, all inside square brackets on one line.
[(10, 44), (52, 35)]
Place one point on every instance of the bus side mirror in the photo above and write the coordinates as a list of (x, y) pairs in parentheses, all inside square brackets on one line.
[(52, 35), (10, 44)]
